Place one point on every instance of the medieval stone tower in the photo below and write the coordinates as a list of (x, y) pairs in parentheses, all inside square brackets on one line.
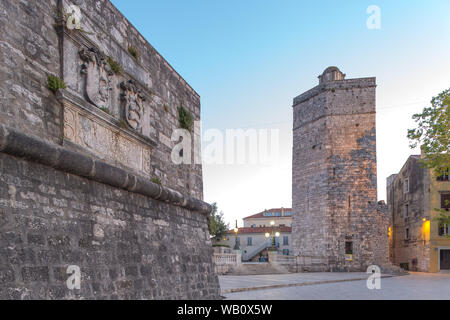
[(336, 224)]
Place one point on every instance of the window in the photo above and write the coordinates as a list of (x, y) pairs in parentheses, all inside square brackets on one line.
[(445, 201), (238, 240), (406, 211), (277, 214), (349, 247), (285, 252), (445, 176), (406, 186), (407, 234), (249, 241), (443, 231), (285, 241)]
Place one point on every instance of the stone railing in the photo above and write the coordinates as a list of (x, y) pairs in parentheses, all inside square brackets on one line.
[(224, 262), (225, 258)]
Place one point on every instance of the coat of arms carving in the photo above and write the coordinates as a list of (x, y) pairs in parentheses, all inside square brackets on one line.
[(98, 77), (134, 104)]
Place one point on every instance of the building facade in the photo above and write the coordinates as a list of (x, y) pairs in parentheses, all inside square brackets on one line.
[(258, 233), (415, 195), (335, 214)]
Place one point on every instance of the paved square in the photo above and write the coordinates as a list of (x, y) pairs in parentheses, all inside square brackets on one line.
[(416, 286)]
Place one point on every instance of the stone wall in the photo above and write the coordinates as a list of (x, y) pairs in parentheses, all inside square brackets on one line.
[(34, 46), (77, 165), (335, 174), (416, 201)]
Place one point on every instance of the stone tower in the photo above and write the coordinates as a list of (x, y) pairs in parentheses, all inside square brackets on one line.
[(336, 224)]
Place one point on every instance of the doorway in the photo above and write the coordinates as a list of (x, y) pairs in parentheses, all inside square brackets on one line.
[(444, 261)]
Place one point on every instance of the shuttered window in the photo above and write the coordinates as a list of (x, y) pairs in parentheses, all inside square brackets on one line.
[(445, 201)]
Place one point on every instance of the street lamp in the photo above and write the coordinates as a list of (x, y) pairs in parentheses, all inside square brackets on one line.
[(236, 231), (277, 234)]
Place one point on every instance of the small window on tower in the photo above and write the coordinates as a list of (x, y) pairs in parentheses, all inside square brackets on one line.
[(349, 247), (406, 186)]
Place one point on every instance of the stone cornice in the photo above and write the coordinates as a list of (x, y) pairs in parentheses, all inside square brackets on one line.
[(34, 149), (336, 85)]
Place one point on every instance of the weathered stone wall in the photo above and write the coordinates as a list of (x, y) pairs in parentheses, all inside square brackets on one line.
[(127, 245), (335, 175), (33, 46), (415, 201), (83, 194)]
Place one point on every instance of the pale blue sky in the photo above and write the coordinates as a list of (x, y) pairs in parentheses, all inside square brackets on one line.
[(249, 58)]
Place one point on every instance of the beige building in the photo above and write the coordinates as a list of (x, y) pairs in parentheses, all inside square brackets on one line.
[(416, 241)]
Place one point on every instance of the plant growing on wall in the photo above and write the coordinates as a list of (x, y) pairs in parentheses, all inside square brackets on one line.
[(156, 180), (185, 118), (134, 53), (105, 110), (54, 83), (123, 124), (115, 66)]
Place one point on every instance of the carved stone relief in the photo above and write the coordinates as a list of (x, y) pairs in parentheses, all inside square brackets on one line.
[(98, 75), (133, 99), (108, 143)]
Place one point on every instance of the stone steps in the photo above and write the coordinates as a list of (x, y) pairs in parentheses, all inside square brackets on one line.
[(256, 269)]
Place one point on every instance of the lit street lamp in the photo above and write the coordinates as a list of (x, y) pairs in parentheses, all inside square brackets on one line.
[(274, 234)]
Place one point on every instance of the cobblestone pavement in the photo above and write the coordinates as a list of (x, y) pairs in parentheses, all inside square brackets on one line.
[(411, 287)]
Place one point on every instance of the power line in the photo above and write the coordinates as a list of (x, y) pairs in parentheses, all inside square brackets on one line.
[(287, 122)]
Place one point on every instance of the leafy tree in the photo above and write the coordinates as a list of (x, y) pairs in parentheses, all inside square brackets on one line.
[(433, 134), (217, 226)]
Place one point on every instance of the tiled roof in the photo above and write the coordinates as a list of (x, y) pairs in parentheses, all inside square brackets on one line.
[(261, 214), (261, 230)]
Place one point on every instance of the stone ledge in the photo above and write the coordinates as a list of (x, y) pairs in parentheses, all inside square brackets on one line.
[(336, 85), (34, 149)]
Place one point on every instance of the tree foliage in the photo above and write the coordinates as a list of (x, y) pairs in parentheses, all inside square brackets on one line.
[(433, 134), (443, 219), (217, 226)]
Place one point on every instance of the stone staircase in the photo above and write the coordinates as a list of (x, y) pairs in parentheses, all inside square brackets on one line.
[(256, 269)]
